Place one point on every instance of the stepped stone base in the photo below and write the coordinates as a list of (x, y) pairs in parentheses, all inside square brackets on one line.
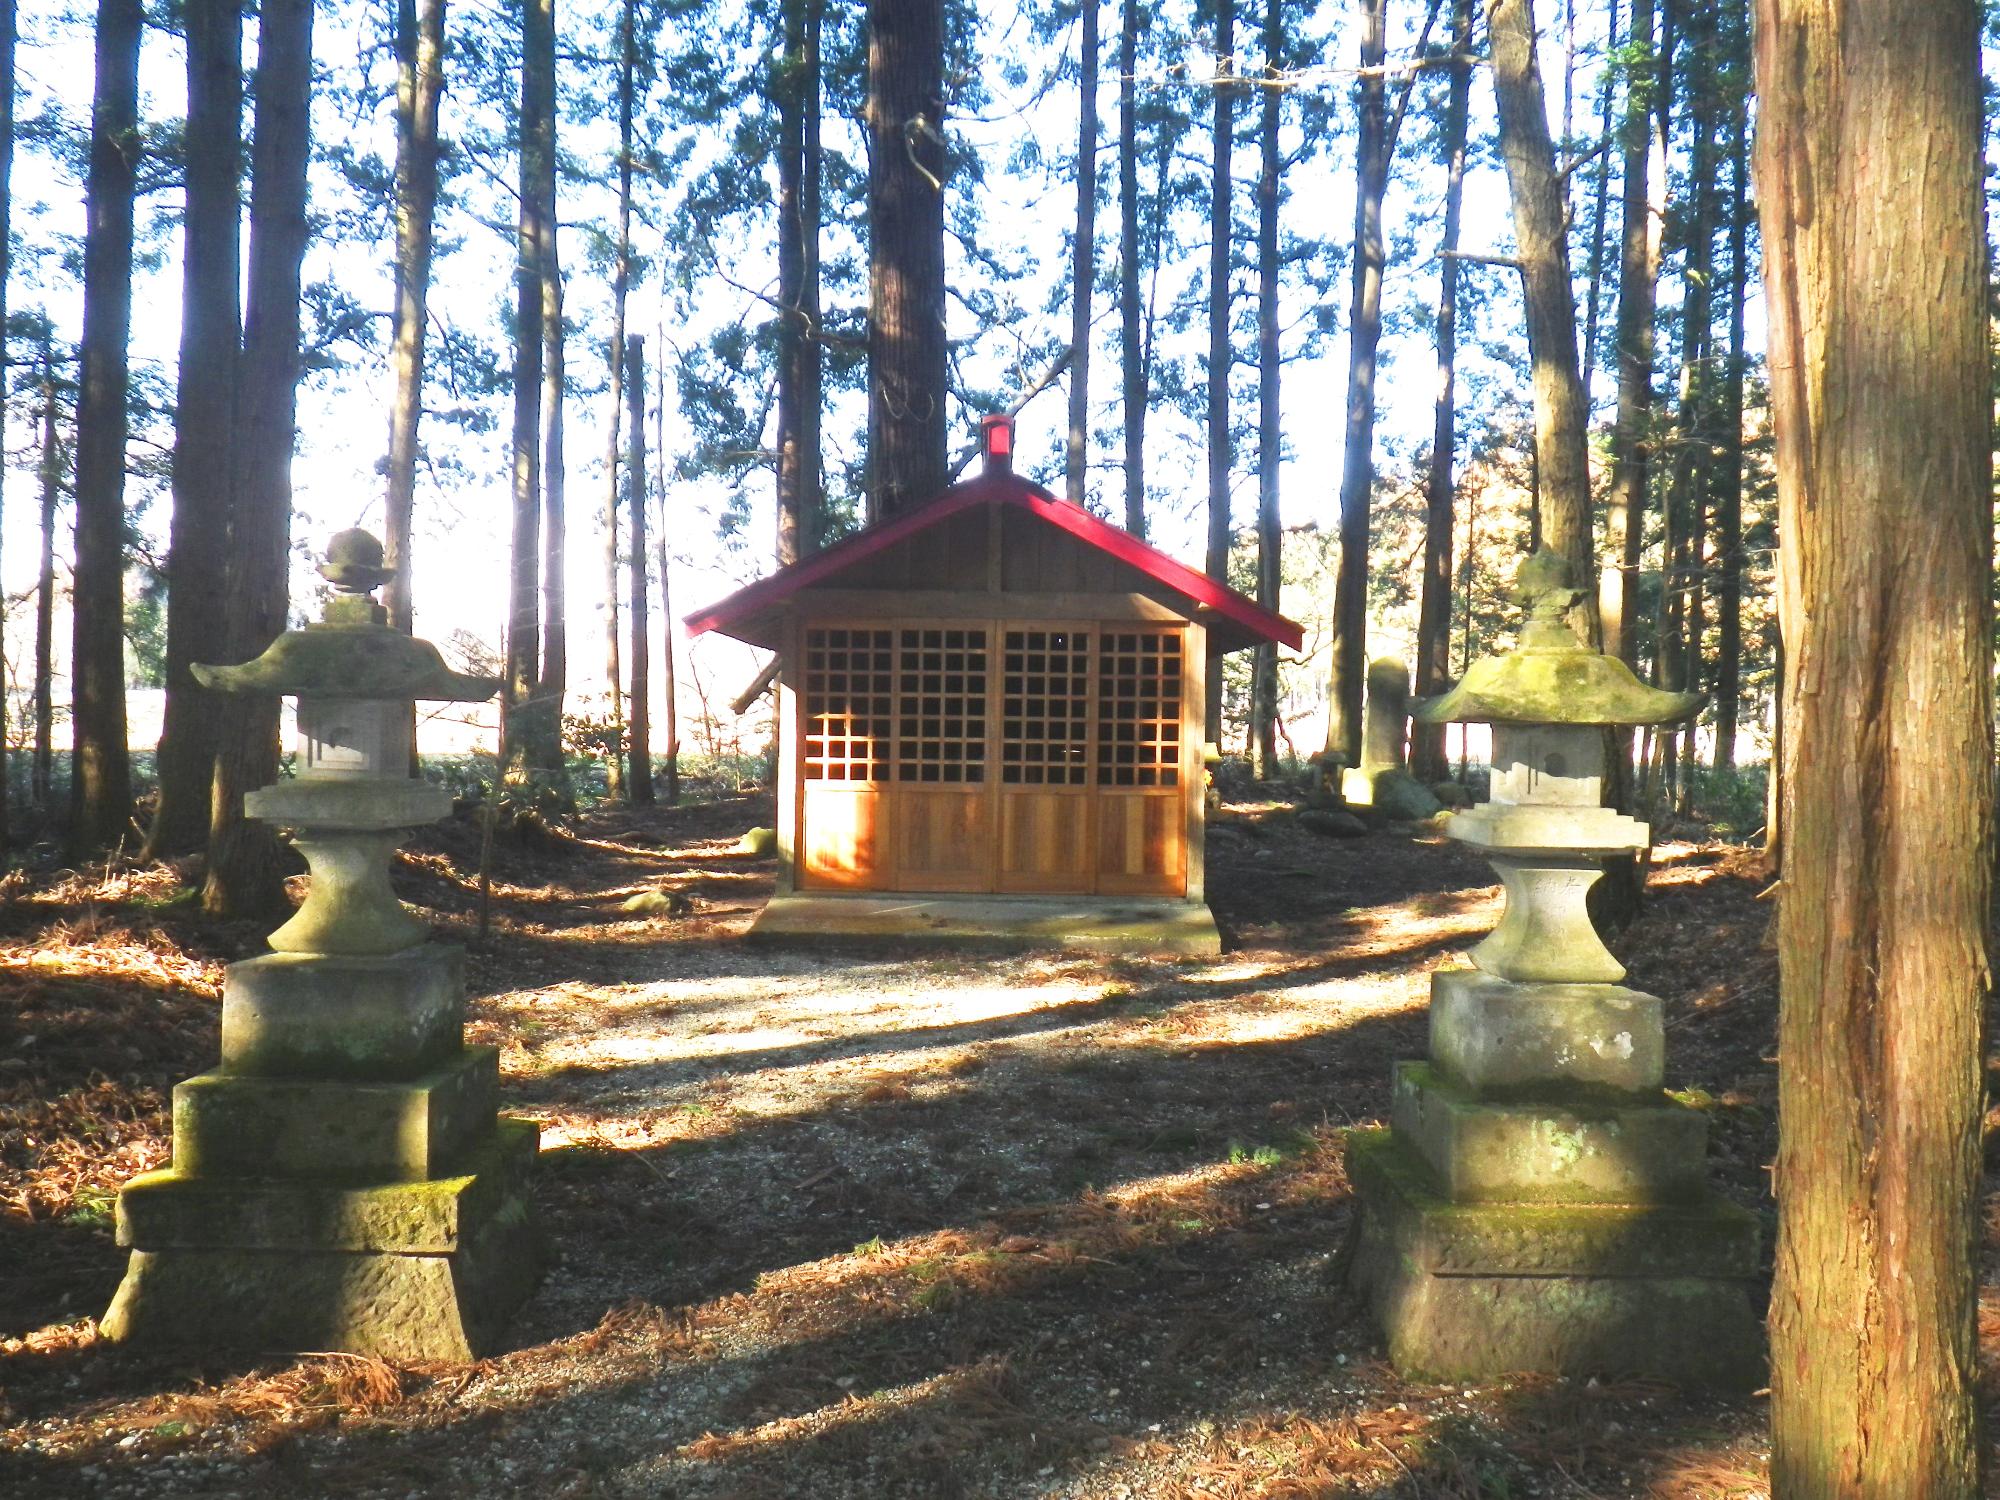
[(1469, 1291), (1494, 1035), (369, 1018), (418, 1270)]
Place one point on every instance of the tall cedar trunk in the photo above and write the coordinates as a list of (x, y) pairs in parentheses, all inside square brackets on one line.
[(1600, 192), (1543, 245), (1638, 281), (8, 31), (1131, 364), (639, 777), (1270, 417), (41, 771), (246, 863), (419, 82), (621, 281), (1728, 492), (555, 591), (906, 171), (100, 773), (204, 419), (670, 769), (1364, 333), (1688, 475), (521, 741), (1427, 754), (798, 285), (1881, 389), (1221, 208), (1083, 265)]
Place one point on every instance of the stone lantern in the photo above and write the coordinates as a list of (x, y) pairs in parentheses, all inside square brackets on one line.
[(1540, 1203), (343, 1180)]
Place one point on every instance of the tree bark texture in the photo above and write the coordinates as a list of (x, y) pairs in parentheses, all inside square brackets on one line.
[(1083, 263), (554, 682), (906, 292), (621, 282), (419, 83), (1869, 175), (1131, 353), (1727, 504), (670, 767), (639, 777), (1542, 244), (1270, 416), (246, 863), (1221, 205), (799, 377), (100, 773), (1600, 206), (1427, 757), (41, 771), (1364, 334), (204, 420)]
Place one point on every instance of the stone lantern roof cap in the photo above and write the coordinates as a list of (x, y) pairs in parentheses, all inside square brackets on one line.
[(1551, 677), (352, 651)]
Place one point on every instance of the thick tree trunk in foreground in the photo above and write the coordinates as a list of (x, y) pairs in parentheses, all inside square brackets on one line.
[(1270, 418), (1427, 757), (419, 82), (799, 381), (1083, 263), (1881, 395), (1543, 246), (100, 773), (1220, 206), (1131, 355), (246, 863), (1364, 333), (204, 420), (906, 172), (639, 777)]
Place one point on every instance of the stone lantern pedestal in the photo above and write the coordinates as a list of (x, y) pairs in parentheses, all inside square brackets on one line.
[(343, 1180), (1539, 1202)]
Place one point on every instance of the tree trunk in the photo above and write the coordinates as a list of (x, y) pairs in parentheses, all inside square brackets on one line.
[(1364, 333), (670, 769), (8, 32), (1220, 215), (799, 394), (204, 420), (554, 684), (639, 778), (1541, 238), (1600, 191), (100, 772), (621, 281), (419, 82), (1131, 363), (1270, 415), (1728, 494), (1083, 265), (523, 744), (906, 333), (42, 770), (1427, 757), (1881, 387), (246, 863)]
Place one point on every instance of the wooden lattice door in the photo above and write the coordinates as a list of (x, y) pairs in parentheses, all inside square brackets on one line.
[(846, 744), (1141, 763), (1045, 772), (942, 812)]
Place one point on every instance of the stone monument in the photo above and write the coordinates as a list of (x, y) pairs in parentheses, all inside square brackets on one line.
[(343, 1181), (1539, 1202), (1383, 780)]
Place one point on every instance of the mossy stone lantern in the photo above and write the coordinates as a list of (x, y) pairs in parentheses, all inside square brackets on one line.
[(1540, 1203), (343, 1179)]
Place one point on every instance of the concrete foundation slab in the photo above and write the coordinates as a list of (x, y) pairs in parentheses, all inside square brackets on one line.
[(1545, 1151), (1468, 1292), (1094, 923)]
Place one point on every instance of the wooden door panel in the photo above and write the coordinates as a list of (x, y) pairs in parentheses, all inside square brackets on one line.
[(1045, 842), (944, 840), (1141, 843), (843, 840)]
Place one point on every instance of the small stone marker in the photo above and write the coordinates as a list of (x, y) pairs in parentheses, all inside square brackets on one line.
[(343, 1180), (1540, 1204), (1382, 780)]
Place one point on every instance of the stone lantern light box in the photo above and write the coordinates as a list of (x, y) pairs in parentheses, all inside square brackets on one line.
[(1539, 1202), (343, 1179)]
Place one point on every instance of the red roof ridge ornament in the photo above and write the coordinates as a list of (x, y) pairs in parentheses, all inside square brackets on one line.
[(996, 440)]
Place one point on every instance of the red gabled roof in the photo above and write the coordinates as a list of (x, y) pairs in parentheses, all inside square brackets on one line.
[(1000, 487)]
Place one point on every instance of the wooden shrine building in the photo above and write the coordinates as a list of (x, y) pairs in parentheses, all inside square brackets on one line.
[(991, 722)]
